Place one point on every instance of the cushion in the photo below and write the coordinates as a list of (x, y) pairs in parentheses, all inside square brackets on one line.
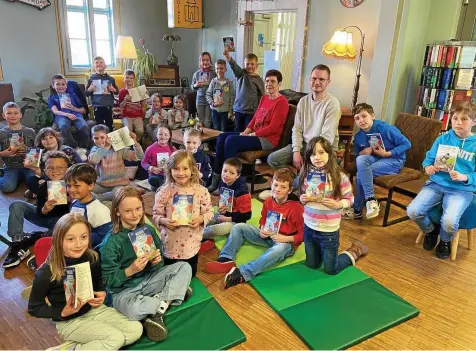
[(405, 175), (251, 156)]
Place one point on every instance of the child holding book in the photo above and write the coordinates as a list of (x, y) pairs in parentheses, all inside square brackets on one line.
[(156, 156), (142, 287), (88, 325), (178, 116), (192, 141), (452, 187), (221, 96), (282, 242), (14, 139), (154, 116), (68, 110), (132, 112), (109, 163), (200, 82), (232, 184), (322, 211), (182, 241), (380, 150)]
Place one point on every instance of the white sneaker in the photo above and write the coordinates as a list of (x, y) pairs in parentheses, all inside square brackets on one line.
[(373, 209), (82, 153), (258, 161), (265, 194)]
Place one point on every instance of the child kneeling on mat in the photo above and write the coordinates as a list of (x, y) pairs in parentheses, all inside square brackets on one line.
[(281, 237), (142, 287), (325, 190)]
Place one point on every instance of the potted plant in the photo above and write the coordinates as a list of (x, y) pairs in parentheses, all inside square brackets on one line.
[(144, 65), (172, 60), (44, 117)]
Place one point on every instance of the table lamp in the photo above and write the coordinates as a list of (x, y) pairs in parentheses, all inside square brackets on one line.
[(125, 50), (341, 47)]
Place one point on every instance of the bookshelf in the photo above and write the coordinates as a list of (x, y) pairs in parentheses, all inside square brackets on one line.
[(447, 78)]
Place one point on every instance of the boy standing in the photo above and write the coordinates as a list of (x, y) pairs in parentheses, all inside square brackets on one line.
[(221, 97), (101, 87), (14, 139), (454, 188), (132, 112), (380, 150), (279, 246), (249, 90), (191, 139)]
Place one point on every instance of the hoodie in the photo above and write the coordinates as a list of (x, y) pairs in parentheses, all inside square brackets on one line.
[(241, 210), (292, 222), (203, 163), (465, 162), (392, 138)]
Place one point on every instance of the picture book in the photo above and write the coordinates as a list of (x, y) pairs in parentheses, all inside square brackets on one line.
[(138, 93), (218, 97), (162, 159), (203, 77), (229, 44), (100, 86), (226, 199), (33, 156), (120, 139), (57, 191), (143, 242), (316, 186), (64, 99), (273, 222), (375, 140), (78, 283), (182, 208), (131, 172), (16, 139), (446, 155)]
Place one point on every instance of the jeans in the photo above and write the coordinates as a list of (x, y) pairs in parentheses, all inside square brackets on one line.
[(230, 144), (242, 120), (156, 180), (221, 121), (322, 247), (82, 131), (135, 125), (205, 115), (215, 228), (103, 115), (275, 253), (455, 202), (105, 193), (12, 177), (20, 210), (281, 158), (368, 167)]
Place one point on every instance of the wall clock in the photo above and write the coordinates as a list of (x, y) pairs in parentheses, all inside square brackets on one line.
[(351, 3)]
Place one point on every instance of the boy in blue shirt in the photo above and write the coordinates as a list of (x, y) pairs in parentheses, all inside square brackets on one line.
[(452, 182), (380, 150)]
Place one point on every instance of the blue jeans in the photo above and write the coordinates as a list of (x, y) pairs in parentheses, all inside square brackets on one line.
[(322, 247), (276, 251), (82, 131), (368, 167), (156, 180), (220, 121), (242, 120), (455, 202), (21, 210), (230, 144), (12, 177)]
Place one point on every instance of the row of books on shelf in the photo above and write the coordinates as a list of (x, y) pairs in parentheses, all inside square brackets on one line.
[(453, 56), (448, 78), (440, 115), (443, 99)]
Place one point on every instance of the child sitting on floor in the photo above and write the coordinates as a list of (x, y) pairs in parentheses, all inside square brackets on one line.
[(178, 116), (192, 142), (154, 116)]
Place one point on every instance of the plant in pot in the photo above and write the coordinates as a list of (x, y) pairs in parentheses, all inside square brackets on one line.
[(44, 117), (172, 60), (144, 65)]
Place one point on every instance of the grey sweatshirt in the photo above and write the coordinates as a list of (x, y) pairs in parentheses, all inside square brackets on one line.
[(249, 89), (226, 89), (106, 99), (202, 91), (27, 136)]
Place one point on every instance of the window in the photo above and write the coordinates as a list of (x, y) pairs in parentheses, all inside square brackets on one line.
[(88, 29)]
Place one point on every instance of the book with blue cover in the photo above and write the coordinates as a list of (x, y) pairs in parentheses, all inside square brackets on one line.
[(143, 242), (273, 222), (316, 186), (182, 209), (226, 199)]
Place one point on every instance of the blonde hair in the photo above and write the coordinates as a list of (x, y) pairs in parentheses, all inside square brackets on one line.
[(192, 132), (56, 254), (120, 195), (177, 157)]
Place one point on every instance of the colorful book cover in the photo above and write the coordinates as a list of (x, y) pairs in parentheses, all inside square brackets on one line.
[(226, 199), (229, 44), (33, 156), (446, 157), (273, 222), (162, 159), (375, 140), (203, 77), (182, 209), (143, 242), (16, 139), (218, 97), (316, 186), (57, 191), (78, 283), (64, 99)]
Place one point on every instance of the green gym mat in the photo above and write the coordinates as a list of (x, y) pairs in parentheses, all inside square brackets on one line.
[(198, 324), (331, 312)]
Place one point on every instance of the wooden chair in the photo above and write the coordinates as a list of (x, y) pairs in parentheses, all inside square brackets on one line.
[(250, 157), (454, 242), (422, 132)]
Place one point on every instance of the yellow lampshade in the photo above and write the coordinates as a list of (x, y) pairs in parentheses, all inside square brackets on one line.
[(340, 46), (125, 48)]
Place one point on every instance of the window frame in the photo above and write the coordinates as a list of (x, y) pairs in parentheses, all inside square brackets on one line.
[(63, 36)]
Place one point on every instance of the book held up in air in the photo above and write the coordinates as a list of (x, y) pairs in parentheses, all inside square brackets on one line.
[(138, 93), (273, 222), (57, 191), (120, 139), (226, 199), (33, 156), (229, 44), (143, 242), (316, 186), (445, 159), (182, 209), (78, 283)]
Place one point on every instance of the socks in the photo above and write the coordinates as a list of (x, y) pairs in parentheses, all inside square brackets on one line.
[(223, 259)]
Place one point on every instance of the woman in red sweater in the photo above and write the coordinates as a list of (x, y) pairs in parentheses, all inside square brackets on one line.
[(263, 132)]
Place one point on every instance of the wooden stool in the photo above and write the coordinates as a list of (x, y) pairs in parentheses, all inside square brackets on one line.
[(454, 242)]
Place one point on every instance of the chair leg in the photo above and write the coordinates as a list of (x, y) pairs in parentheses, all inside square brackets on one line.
[(454, 245), (470, 238), (387, 208), (419, 237)]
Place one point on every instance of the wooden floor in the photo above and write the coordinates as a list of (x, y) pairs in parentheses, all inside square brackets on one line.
[(444, 291)]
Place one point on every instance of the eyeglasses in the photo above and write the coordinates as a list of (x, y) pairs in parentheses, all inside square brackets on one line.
[(53, 169)]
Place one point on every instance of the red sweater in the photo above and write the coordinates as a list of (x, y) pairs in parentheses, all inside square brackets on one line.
[(269, 118), (132, 109), (292, 222)]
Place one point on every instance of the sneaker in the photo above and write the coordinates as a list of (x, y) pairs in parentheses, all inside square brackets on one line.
[(215, 267), (258, 161), (70, 345), (31, 238), (16, 254), (82, 153), (265, 194), (233, 278), (31, 263), (30, 194), (350, 213), (188, 294), (155, 327), (206, 246), (431, 238), (373, 209), (443, 249)]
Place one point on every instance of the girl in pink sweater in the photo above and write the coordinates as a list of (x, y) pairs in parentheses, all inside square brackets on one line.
[(182, 236)]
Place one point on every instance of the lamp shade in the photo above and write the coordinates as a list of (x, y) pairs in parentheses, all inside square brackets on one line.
[(340, 46), (125, 48)]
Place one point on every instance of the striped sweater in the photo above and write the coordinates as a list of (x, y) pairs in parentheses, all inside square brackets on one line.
[(323, 219), (110, 164)]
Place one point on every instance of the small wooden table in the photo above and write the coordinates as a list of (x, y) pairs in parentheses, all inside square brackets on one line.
[(207, 135)]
